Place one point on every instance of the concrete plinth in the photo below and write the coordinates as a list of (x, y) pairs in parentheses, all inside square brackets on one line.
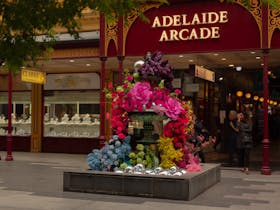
[(185, 187)]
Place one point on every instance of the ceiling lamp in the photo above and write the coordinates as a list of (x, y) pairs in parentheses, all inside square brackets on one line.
[(271, 102), (238, 68), (239, 93), (261, 99), (275, 103), (248, 95), (256, 98)]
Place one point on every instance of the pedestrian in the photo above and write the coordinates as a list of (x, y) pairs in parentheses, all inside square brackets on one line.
[(245, 142), (232, 132)]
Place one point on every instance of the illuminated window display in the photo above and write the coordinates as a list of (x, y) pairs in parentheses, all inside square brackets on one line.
[(21, 114), (71, 114)]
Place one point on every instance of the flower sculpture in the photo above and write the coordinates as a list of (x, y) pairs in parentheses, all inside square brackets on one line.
[(149, 88)]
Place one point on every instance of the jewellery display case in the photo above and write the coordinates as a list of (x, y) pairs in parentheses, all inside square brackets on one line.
[(72, 114), (81, 127), (21, 114)]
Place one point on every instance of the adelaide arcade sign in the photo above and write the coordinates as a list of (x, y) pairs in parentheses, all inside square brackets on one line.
[(181, 27)]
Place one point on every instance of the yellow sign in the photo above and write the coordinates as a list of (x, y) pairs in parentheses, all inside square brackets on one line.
[(33, 76), (204, 73)]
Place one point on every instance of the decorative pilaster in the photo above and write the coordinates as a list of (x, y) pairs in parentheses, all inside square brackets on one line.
[(102, 101), (111, 33), (265, 45), (131, 18), (37, 117), (120, 58), (273, 23), (9, 156)]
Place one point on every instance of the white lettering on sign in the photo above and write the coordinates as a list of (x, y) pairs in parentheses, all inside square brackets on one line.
[(183, 21)]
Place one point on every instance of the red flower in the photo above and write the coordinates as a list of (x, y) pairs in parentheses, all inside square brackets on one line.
[(110, 85), (121, 136), (129, 78)]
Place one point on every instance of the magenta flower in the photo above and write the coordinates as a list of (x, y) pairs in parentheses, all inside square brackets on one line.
[(140, 94), (177, 91), (173, 108)]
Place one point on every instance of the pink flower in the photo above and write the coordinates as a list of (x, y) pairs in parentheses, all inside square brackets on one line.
[(177, 91), (173, 108), (139, 95), (159, 109), (193, 165)]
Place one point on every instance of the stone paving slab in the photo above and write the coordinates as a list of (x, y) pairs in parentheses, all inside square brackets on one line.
[(28, 186)]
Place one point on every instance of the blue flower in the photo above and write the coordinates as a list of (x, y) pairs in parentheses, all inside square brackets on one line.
[(117, 143)]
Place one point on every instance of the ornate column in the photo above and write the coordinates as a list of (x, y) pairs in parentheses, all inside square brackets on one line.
[(120, 58), (265, 164), (265, 46), (37, 117), (9, 156), (102, 102)]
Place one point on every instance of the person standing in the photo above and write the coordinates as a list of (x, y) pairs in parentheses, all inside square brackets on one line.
[(232, 135), (244, 126)]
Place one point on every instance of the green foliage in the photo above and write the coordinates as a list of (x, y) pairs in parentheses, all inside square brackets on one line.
[(21, 21), (144, 155)]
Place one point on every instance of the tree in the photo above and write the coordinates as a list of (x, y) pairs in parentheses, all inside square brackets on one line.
[(21, 21)]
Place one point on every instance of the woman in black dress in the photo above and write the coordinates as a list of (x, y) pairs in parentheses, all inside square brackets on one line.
[(245, 142)]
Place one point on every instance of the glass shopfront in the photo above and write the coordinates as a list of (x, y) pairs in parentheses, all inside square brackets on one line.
[(71, 105), (21, 113)]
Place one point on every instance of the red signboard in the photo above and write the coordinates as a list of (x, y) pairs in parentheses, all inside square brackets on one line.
[(194, 27)]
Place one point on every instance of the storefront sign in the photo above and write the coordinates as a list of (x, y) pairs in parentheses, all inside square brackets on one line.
[(33, 76), (186, 26), (204, 73), (193, 27), (74, 81)]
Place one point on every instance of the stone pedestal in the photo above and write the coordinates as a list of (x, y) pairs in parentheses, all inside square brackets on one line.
[(185, 187)]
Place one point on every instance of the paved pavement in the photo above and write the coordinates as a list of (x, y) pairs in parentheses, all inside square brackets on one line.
[(33, 181)]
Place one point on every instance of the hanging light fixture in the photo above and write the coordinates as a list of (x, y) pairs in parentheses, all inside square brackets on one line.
[(248, 95), (239, 93), (256, 98), (261, 99)]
